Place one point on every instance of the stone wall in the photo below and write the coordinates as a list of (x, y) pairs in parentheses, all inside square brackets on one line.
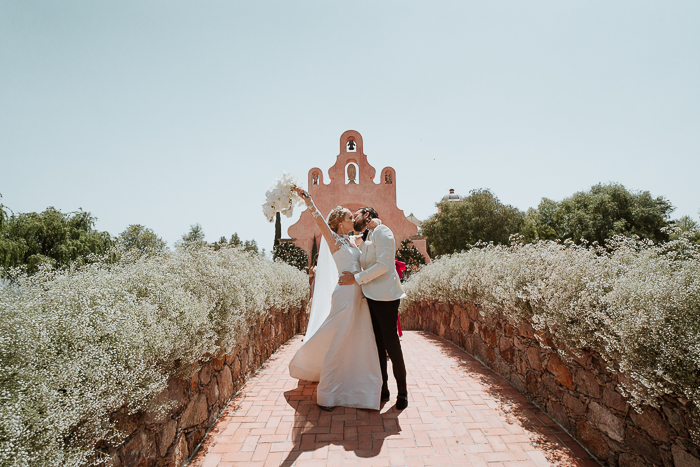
[(198, 401), (578, 393)]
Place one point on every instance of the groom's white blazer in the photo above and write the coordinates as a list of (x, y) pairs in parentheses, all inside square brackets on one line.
[(378, 277)]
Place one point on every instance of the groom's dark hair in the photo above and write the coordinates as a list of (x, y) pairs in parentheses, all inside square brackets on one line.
[(369, 210)]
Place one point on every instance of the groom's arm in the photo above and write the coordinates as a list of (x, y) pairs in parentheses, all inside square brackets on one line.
[(384, 247)]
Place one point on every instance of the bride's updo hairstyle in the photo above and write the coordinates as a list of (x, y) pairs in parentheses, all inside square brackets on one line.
[(335, 218)]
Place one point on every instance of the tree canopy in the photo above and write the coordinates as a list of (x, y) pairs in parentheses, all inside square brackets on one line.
[(599, 214), (31, 239), (138, 237), (478, 217)]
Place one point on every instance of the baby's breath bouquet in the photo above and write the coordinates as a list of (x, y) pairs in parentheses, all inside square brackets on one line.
[(281, 197)]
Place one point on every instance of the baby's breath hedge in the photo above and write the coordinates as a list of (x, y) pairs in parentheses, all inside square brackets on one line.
[(78, 344), (635, 303)]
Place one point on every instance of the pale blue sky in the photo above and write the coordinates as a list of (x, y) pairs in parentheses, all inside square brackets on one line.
[(169, 113)]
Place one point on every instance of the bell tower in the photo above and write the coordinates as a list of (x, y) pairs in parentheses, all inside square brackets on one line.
[(352, 185)]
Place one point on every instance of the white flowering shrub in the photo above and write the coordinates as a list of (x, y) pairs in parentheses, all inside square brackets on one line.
[(634, 302), (77, 344)]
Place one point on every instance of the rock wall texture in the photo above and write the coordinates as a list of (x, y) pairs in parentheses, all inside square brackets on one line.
[(171, 439), (579, 393)]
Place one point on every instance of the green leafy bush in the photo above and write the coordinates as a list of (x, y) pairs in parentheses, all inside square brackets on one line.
[(410, 255), (634, 302), (292, 255), (32, 239), (77, 344)]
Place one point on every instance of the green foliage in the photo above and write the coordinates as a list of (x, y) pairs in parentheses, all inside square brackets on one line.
[(235, 240), (251, 246), (634, 302), (278, 229), (143, 239), (601, 213), (686, 225), (195, 237), (410, 255), (80, 343), (478, 217), (51, 237), (292, 255), (314, 253)]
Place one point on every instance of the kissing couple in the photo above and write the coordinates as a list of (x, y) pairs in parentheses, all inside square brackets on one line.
[(352, 324)]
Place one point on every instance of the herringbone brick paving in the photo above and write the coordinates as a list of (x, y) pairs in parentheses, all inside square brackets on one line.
[(460, 413)]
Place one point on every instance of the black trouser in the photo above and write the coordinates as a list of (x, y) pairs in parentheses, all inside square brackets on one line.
[(384, 315)]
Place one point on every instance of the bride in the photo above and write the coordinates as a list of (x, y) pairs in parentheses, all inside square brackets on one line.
[(339, 350)]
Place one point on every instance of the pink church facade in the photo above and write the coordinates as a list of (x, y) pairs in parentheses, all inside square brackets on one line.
[(352, 185)]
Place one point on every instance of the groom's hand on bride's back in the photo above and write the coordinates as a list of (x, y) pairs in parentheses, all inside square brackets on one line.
[(346, 278)]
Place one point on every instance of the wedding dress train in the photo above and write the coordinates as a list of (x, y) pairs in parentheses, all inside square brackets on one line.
[(342, 353)]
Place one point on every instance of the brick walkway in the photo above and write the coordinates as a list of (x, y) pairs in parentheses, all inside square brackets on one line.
[(460, 413)]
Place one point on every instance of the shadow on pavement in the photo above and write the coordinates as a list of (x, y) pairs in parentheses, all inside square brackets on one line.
[(359, 430), (544, 433)]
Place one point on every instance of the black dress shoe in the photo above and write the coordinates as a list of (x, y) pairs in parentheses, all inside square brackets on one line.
[(401, 402), (326, 408), (385, 395)]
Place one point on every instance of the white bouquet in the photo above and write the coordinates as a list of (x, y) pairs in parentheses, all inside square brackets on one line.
[(281, 197)]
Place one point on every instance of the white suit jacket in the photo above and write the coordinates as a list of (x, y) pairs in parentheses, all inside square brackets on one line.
[(378, 277)]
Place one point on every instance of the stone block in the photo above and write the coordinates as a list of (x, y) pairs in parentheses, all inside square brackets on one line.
[(213, 392), (231, 356), (125, 422), (557, 367), (521, 364), (602, 419), (525, 330), (225, 386), (613, 399), (534, 358), (218, 362), (195, 413), (473, 312), (558, 413), (532, 383), (205, 374), (140, 449), (518, 382), (641, 444), (674, 418), (630, 460), (181, 452), (521, 343), (167, 435), (194, 381), (683, 458), (552, 385), (592, 440), (508, 330), (508, 354), (651, 421), (488, 335), (577, 407), (237, 368), (586, 383), (490, 353), (480, 350)]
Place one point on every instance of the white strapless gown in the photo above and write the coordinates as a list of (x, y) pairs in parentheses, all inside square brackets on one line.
[(342, 354)]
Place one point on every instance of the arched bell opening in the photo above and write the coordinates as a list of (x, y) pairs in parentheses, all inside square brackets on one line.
[(350, 145)]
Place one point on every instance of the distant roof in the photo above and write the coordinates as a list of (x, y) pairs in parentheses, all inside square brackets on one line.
[(452, 196), (414, 219)]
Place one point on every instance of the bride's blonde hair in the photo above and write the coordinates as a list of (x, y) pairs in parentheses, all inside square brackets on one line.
[(336, 216)]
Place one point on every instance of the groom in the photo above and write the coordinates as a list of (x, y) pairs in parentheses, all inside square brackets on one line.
[(381, 285)]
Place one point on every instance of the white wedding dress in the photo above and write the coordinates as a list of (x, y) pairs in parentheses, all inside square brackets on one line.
[(342, 354)]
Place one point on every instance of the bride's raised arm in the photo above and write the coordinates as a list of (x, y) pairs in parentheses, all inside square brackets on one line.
[(326, 231)]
